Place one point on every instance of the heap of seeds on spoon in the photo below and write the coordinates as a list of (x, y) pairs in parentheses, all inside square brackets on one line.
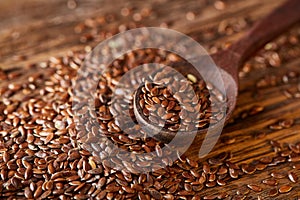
[(175, 103)]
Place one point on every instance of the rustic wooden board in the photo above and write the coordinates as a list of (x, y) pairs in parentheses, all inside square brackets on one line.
[(40, 29)]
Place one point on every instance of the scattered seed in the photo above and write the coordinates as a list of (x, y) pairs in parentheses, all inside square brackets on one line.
[(293, 177), (255, 188), (285, 188), (273, 192)]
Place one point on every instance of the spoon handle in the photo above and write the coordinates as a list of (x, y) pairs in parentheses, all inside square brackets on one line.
[(267, 29)]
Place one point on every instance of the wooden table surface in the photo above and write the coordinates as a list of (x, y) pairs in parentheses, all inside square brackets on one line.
[(32, 31)]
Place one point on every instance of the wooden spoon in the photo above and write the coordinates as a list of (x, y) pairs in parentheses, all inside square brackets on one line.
[(231, 59)]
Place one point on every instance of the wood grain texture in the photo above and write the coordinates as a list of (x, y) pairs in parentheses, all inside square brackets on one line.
[(41, 29)]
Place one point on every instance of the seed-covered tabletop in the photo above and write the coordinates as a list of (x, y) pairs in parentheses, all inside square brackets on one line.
[(45, 154)]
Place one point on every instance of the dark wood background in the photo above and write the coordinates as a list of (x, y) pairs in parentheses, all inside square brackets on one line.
[(32, 31)]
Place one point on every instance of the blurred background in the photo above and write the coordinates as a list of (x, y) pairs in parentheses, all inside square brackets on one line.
[(35, 29)]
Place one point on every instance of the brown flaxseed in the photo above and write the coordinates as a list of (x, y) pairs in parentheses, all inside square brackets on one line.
[(285, 188), (293, 177), (255, 188), (273, 192)]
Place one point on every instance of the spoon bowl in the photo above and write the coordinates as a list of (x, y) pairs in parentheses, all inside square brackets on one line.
[(165, 135)]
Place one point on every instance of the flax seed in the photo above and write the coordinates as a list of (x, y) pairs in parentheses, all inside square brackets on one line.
[(285, 188), (293, 177), (255, 188)]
